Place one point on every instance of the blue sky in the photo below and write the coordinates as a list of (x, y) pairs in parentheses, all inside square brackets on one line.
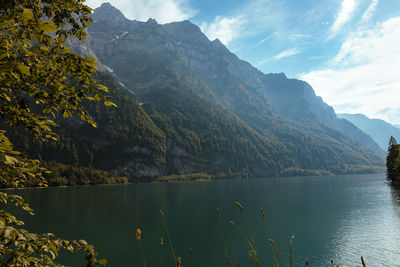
[(348, 50)]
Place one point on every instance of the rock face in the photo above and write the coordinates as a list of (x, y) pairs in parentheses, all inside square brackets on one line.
[(217, 113)]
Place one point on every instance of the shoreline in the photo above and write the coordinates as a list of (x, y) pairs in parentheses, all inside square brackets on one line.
[(155, 181)]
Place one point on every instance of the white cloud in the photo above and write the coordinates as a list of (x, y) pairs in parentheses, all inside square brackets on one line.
[(364, 75), (345, 14), (283, 54), (225, 29), (370, 11), (163, 11), (287, 53)]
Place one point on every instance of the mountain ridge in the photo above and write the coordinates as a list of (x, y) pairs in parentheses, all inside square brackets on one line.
[(206, 110), (378, 129)]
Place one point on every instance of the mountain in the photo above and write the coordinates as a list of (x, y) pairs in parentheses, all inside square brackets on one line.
[(379, 130), (188, 105), (296, 100)]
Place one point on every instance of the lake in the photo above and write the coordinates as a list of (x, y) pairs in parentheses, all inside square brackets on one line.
[(340, 217)]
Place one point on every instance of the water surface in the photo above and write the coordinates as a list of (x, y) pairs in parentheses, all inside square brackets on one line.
[(342, 217)]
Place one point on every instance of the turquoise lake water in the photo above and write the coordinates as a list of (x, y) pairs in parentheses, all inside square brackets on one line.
[(340, 217)]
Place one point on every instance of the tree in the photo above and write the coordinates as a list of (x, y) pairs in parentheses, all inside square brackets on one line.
[(393, 160), (40, 79)]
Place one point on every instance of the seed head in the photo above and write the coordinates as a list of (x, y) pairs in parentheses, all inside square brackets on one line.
[(239, 205), (331, 260), (178, 262), (162, 241), (307, 263), (138, 234), (362, 261), (190, 251), (218, 214), (161, 212), (233, 223)]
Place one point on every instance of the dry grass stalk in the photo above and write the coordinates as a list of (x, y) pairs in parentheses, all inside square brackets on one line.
[(262, 212), (168, 235), (290, 251), (362, 261)]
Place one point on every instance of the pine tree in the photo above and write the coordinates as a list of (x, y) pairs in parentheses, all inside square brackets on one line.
[(393, 160)]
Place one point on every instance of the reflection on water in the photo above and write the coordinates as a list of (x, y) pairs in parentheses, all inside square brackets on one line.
[(395, 190), (344, 217)]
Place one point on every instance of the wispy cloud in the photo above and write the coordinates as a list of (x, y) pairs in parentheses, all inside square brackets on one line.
[(370, 11), (287, 53), (250, 19), (283, 54), (223, 28), (345, 14), (363, 76), (163, 11)]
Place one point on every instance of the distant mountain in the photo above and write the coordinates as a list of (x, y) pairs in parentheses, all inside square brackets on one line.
[(379, 130), (187, 105), (296, 100)]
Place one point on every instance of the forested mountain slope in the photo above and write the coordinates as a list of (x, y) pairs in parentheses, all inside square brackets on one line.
[(187, 105)]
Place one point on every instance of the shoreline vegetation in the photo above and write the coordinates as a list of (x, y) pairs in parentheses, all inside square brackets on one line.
[(63, 175)]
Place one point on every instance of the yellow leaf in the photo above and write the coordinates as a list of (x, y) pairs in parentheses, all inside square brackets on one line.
[(102, 87), (26, 15), (103, 262), (66, 114), (109, 103), (51, 137), (23, 69), (47, 27), (90, 60), (10, 160), (98, 97)]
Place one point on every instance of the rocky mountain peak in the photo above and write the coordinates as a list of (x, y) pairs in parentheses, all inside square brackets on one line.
[(187, 32), (109, 13), (152, 21)]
